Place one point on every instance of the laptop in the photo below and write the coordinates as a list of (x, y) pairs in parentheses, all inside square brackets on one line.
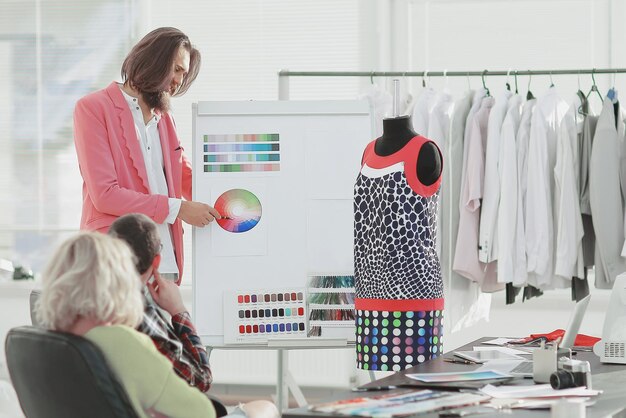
[(525, 368)]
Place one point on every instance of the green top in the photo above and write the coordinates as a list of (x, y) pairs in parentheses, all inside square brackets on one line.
[(147, 375)]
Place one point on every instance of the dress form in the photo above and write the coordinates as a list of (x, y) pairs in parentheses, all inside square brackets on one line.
[(397, 132)]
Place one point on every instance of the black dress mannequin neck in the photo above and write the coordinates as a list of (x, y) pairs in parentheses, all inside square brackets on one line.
[(397, 132)]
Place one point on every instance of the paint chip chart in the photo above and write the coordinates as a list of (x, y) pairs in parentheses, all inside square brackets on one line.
[(256, 316), (241, 153)]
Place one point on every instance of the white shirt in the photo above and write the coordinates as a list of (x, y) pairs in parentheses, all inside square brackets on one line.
[(545, 123), (424, 105), (150, 141), (507, 207), (466, 261), (439, 132), (487, 240), (569, 225), (520, 277)]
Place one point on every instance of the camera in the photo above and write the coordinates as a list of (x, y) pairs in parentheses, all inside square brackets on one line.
[(571, 373)]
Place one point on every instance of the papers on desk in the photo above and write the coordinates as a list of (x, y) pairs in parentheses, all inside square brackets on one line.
[(455, 377), (399, 404), (499, 341), (536, 391)]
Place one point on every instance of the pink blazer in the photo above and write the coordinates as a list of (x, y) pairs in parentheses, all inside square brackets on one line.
[(114, 173)]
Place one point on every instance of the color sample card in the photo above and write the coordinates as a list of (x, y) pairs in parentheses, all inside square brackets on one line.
[(255, 316), (241, 153)]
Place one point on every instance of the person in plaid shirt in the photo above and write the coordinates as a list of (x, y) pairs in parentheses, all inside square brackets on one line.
[(177, 339)]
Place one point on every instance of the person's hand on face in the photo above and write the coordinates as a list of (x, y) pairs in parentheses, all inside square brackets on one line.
[(166, 294)]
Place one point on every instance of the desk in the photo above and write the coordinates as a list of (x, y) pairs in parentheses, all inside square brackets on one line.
[(285, 382), (610, 378)]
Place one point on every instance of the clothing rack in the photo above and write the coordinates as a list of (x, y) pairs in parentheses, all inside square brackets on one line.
[(284, 75)]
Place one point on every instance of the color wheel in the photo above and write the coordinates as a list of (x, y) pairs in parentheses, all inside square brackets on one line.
[(240, 210)]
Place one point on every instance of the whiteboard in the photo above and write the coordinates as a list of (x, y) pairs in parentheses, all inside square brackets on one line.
[(300, 160)]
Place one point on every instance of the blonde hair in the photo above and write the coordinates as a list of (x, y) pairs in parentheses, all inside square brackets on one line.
[(90, 275)]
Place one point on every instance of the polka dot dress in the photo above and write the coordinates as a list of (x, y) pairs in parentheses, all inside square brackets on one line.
[(399, 289)]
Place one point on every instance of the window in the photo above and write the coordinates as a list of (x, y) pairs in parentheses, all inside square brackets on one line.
[(56, 51)]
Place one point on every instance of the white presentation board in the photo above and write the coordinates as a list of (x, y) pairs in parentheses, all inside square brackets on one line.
[(288, 168)]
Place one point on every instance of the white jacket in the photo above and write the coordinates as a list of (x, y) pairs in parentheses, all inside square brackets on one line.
[(545, 123), (507, 208), (487, 241), (569, 225)]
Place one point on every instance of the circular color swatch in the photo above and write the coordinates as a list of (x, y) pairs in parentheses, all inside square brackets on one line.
[(240, 210)]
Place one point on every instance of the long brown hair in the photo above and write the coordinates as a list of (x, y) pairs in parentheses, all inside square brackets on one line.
[(149, 63)]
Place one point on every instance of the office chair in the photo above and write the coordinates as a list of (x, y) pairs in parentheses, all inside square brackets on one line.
[(57, 375), (220, 409)]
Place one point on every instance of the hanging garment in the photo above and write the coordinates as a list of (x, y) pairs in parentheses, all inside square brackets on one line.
[(545, 123), (507, 208), (462, 291), (381, 104), (585, 144), (568, 227), (488, 238), (605, 194), (399, 289), (520, 269), (466, 261), (439, 132), (422, 109)]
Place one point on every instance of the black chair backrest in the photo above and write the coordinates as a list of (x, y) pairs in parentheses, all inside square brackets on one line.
[(63, 375)]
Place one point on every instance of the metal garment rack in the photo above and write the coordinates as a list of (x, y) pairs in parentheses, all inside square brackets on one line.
[(284, 75)]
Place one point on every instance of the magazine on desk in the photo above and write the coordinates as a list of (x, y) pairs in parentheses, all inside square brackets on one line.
[(399, 404)]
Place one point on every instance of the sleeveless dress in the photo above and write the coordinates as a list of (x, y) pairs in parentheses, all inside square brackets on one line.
[(399, 288)]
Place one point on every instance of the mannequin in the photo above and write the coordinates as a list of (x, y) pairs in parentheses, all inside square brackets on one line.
[(398, 283), (397, 133)]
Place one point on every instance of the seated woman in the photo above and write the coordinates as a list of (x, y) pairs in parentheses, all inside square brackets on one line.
[(91, 288)]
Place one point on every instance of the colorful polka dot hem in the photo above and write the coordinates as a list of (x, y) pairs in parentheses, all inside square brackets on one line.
[(387, 340)]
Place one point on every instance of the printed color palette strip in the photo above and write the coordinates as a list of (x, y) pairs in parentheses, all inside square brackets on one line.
[(242, 138), (232, 168), (224, 148), (235, 158)]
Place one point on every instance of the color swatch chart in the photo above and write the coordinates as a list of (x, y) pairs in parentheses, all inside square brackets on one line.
[(259, 315), (241, 153)]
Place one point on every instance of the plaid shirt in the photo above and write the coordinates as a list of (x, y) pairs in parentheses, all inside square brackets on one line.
[(178, 342)]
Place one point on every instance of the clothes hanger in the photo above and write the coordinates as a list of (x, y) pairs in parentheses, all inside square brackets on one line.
[(583, 109), (424, 78), (612, 94), (484, 86), (516, 92), (551, 82), (594, 87), (508, 85), (529, 95), (469, 85), (446, 82)]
